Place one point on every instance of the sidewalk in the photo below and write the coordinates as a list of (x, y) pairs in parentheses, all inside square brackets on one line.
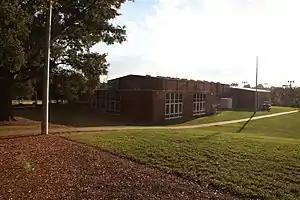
[(92, 129), (110, 128)]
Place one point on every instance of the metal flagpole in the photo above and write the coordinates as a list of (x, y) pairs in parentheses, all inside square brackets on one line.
[(256, 77), (46, 73)]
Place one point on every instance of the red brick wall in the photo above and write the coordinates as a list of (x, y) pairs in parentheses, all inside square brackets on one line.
[(156, 83), (225, 90), (192, 86), (202, 88), (140, 82), (188, 98), (171, 84), (137, 105), (158, 106), (182, 85)]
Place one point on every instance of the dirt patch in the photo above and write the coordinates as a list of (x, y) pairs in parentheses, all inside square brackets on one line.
[(49, 167), (23, 126), (19, 122)]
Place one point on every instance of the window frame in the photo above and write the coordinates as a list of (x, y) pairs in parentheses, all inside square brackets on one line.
[(112, 105), (173, 102), (199, 104)]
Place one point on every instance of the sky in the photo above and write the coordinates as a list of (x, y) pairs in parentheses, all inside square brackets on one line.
[(213, 40)]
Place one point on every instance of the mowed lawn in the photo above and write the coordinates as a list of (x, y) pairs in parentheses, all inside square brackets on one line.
[(261, 162), (234, 115)]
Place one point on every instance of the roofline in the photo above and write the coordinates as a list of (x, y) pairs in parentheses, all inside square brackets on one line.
[(167, 78), (251, 89)]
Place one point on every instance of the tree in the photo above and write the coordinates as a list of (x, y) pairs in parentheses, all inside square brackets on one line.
[(67, 85), (260, 86), (76, 27), (247, 86), (285, 96), (14, 30), (25, 90)]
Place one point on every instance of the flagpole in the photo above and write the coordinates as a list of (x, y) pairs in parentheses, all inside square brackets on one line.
[(45, 101)]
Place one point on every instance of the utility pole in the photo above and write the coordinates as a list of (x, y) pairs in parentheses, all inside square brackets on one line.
[(256, 77), (290, 83), (45, 120)]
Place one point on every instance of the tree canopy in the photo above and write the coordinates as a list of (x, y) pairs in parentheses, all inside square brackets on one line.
[(234, 84), (76, 27), (286, 96), (247, 86)]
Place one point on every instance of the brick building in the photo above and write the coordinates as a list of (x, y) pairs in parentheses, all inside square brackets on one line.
[(150, 99), (244, 98)]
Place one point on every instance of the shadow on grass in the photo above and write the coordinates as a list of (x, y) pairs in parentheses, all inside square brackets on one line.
[(69, 115), (246, 123), (165, 123), (82, 116)]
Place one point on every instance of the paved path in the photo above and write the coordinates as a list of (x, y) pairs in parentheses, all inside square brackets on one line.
[(110, 128), (91, 129)]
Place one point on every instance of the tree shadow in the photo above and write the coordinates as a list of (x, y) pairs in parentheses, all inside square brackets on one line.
[(69, 115), (246, 123), (83, 116), (164, 123)]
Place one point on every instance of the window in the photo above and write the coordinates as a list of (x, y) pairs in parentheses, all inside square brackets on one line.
[(199, 104), (173, 106), (111, 104)]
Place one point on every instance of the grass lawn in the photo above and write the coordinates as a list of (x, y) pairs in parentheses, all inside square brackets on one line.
[(80, 116), (261, 162), (233, 115)]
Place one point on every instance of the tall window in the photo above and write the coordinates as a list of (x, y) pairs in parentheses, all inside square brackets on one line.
[(111, 103), (199, 104), (173, 106)]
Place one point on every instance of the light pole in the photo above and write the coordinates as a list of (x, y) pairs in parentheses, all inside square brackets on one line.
[(45, 119), (256, 78), (290, 83)]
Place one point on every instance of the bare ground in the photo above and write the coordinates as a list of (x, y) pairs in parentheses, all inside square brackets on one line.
[(49, 167)]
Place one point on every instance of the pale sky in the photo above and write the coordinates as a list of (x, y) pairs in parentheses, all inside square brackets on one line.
[(213, 40)]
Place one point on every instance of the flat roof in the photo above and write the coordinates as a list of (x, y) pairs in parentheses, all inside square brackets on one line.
[(249, 89), (167, 78)]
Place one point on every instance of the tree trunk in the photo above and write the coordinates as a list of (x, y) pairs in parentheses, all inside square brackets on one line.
[(6, 85)]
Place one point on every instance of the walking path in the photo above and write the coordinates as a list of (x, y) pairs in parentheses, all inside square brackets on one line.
[(110, 128), (92, 129)]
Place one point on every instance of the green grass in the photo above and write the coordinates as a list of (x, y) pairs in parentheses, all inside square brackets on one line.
[(81, 116), (261, 162), (68, 115), (233, 115)]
